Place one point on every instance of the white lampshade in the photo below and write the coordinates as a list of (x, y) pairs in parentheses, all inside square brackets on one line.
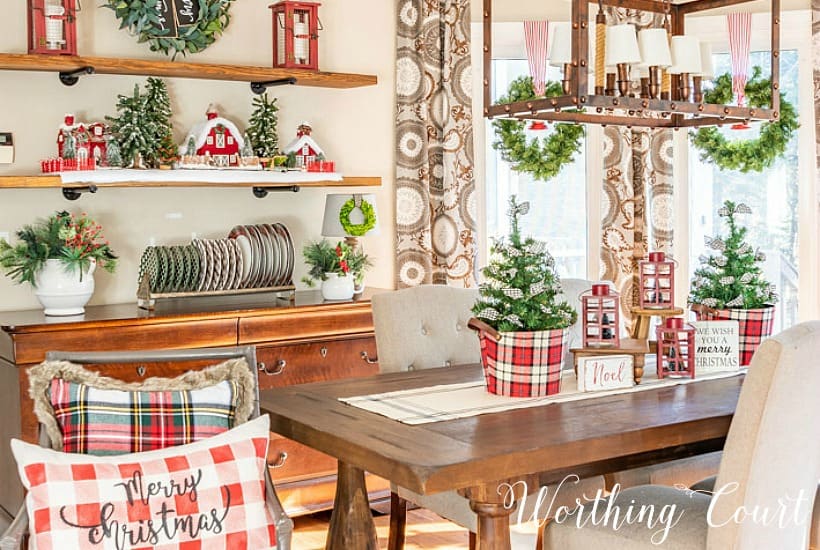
[(707, 65), (332, 226), (561, 45), (622, 45), (685, 55), (654, 46)]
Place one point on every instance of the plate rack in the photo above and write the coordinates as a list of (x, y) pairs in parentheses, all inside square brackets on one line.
[(146, 299)]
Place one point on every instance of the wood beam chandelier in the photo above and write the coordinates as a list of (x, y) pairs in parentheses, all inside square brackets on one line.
[(669, 65)]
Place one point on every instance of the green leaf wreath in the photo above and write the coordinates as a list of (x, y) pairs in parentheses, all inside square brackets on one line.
[(543, 157), (748, 155), (357, 229)]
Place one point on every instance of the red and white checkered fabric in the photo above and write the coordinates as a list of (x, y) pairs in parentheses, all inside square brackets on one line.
[(755, 325), (208, 495), (523, 364)]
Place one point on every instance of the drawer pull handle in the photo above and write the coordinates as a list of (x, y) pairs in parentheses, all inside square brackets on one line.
[(280, 366), (368, 360), (279, 462), (141, 370), (323, 351)]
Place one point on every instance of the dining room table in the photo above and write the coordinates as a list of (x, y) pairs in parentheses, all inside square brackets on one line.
[(538, 443)]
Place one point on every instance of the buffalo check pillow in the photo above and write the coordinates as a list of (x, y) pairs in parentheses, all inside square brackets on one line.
[(205, 495)]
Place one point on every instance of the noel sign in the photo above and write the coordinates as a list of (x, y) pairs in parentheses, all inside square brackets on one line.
[(716, 346), (605, 373), (173, 14)]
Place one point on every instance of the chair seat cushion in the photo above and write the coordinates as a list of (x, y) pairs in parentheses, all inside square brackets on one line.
[(209, 494)]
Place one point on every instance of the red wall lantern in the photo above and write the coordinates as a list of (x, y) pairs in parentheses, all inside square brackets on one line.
[(601, 317), (676, 349), (656, 277), (296, 29), (52, 27)]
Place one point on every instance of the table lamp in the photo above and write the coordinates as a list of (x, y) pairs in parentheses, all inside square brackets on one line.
[(350, 216)]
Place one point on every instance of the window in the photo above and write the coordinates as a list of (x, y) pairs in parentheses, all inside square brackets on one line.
[(220, 141)]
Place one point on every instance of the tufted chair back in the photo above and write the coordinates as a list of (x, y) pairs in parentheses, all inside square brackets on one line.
[(425, 327), (571, 290)]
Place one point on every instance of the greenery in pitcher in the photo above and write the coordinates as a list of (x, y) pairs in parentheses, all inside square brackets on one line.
[(322, 258)]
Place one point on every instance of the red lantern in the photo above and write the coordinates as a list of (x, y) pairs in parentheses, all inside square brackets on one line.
[(296, 35), (676, 349), (52, 27), (601, 317), (656, 277)]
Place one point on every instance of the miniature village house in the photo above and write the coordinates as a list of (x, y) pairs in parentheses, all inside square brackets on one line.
[(216, 141), (304, 147), (89, 139)]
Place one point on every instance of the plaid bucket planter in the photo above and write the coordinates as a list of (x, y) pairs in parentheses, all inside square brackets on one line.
[(755, 325), (523, 364)]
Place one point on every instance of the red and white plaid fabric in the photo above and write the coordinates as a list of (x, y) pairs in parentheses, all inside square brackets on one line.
[(523, 364), (209, 495), (754, 326)]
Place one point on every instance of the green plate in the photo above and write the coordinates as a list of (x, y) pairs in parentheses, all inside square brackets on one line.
[(193, 281), (162, 269)]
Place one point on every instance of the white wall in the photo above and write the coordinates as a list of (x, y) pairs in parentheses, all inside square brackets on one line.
[(355, 127)]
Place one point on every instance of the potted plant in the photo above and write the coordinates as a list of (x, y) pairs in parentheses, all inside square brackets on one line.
[(521, 323), (58, 256), (340, 268), (729, 285)]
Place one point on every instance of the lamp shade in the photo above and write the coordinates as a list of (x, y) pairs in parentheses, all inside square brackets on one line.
[(332, 224), (622, 45), (561, 45), (707, 65), (685, 55), (654, 46)]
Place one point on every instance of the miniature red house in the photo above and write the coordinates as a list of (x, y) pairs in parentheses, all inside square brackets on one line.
[(676, 349), (90, 139), (307, 151), (296, 35), (656, 279), (52, 27), (217, 139), (600, 318)]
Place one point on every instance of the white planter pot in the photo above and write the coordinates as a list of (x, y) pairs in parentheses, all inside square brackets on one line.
[(63, 292), (337, 287)]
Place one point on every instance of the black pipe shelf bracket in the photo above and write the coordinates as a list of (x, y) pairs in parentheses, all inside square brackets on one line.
[(262, 192), (74, 193), (70, 78), (259, 87)]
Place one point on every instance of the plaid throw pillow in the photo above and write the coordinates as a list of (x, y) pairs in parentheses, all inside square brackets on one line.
[(108, 422)]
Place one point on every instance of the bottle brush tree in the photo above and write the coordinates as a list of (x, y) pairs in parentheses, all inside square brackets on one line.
[(136, 135), (262, 127), (158, 113)]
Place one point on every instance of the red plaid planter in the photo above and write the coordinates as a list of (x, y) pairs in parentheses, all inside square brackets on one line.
[(755, 325), (523, 364)]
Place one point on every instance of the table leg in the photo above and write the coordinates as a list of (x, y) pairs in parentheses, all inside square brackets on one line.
[(493, 525), (637, 368), (351, 523)]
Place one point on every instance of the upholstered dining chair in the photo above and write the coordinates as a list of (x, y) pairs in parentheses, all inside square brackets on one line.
[(17, 533), (771, 455), (426, 327)]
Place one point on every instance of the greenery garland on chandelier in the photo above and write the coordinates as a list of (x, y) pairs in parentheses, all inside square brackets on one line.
[(748, 155), (542, 157)]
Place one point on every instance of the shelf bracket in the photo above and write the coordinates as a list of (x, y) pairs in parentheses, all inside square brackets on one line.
[(70, 78), (74, 193), (262, 192), (259, 87)]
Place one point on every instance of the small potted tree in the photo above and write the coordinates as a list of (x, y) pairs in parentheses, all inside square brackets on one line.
[(521, 323), (729, 285)]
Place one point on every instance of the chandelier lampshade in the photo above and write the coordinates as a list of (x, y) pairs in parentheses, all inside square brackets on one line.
[(685, 55), (561, 46), (707, 66), (622, 45), (654, 47)]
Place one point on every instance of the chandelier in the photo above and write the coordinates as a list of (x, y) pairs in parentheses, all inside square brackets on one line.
[(669, 65)]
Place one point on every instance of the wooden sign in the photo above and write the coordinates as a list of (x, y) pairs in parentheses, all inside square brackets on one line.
[(605, 373), (716, 346), (187, 12), (174, 14)]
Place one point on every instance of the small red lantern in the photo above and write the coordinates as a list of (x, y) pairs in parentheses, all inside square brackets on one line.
[(52, 27), (601, 317), (296, 29), (656, 277), (676, 349)]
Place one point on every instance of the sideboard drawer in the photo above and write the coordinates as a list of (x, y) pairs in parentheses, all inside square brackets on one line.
[(328, 360), (303, 325), (291, 461)]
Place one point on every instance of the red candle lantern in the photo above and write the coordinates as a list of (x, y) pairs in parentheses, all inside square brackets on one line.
[(676, 349), (600, 320), (52, 27), (296, 29), (656, 277)]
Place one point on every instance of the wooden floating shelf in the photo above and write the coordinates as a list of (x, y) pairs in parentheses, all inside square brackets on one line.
[(181, 69), (54, 182)]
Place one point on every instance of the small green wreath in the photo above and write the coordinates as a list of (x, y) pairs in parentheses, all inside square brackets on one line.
[(544, 157), (173, 26), (748, 155), (353, 229)]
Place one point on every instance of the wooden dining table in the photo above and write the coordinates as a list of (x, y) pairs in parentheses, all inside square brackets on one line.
[(474, 455)]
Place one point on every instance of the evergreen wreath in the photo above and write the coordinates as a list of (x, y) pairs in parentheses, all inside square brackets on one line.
[(360, 229), (543, 157), (142, 19), (749, 155)]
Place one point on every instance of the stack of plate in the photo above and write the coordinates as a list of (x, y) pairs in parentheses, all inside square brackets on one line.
[(268, 253)]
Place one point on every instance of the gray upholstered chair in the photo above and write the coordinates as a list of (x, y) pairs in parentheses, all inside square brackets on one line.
[(16, 535), (772, 452), (426, 327)]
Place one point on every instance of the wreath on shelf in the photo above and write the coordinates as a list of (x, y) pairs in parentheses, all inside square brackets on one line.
[(357, 229), (542, 157), (748, 155), (173, 26)]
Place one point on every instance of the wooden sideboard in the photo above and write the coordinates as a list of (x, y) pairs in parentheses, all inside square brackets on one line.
[(298, 341)]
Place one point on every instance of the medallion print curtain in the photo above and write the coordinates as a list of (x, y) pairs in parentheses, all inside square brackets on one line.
[(435, 189), (637, 183)]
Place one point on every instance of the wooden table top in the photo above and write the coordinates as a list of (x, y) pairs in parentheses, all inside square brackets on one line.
[(584, 437)]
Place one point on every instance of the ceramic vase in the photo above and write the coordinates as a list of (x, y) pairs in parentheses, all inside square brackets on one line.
[(62, 291), (337, 287)]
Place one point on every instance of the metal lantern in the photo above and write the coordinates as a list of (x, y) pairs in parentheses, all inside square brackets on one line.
[(296, 29), (52, 27), (600, 319), (676, 349), (656, 277)]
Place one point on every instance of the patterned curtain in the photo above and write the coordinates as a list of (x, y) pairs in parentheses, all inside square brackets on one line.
[(637, 198), (435, 189)]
